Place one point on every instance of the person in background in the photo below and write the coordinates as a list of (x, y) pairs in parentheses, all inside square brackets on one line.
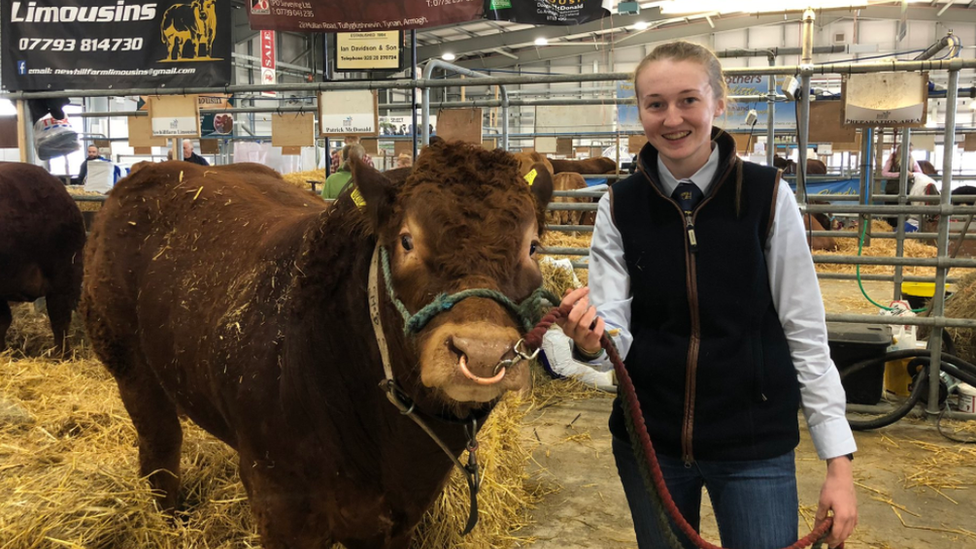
[(404, 160), (701, 276), (190, 156), (336, 155), (92, 155), (337, 181), (892, 166)]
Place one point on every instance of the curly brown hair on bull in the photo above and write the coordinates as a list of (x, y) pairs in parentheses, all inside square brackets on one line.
[(225, 294), (41, 239)]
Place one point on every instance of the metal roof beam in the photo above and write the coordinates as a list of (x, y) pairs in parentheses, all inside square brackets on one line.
[(537, 55), (528, 36)]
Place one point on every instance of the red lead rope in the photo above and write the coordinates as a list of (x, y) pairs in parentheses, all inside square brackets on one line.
[(534, 340)]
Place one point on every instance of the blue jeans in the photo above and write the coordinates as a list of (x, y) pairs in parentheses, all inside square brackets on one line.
[(755, 502)]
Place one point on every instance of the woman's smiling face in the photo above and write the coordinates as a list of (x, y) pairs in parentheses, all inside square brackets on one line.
[(677, 105)]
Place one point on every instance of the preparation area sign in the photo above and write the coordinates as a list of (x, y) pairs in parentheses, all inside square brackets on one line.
[(107, 44)]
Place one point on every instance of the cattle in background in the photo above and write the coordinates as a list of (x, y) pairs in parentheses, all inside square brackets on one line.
[(41, 240), (819, 222), (527, 160), (568, 181), (588, 166), (927, 167), (227, 295), (814, 166)]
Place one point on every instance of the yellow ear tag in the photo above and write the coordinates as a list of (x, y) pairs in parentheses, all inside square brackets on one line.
[(357, 198), (530, 177)]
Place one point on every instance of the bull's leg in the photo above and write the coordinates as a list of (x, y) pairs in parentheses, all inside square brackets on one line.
[(281, 511), (59, 307), (401, 541), (156, 421), (5, 319)]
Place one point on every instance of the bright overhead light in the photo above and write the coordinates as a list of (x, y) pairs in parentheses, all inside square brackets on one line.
[(541, 42), (448, 56), (756, 6), (640, 25)]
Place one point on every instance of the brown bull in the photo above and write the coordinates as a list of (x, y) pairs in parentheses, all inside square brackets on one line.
[(598, 165), (568, 181), (241, 301), (819, 222), (41, 239), (814, 166), (927, 167)]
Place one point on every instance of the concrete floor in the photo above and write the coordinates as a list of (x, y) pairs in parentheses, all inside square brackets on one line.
[(915, 488)]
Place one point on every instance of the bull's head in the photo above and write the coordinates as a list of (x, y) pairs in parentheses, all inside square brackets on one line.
[(463, 218)]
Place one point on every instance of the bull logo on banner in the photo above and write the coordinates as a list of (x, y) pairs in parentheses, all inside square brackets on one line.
[(188, 31)]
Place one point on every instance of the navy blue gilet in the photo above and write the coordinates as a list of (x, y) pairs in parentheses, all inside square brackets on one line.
[(709, 359)]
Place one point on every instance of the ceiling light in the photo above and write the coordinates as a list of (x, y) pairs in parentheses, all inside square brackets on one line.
[(448, 56), (541, 42), (640, 25), (756, 6)]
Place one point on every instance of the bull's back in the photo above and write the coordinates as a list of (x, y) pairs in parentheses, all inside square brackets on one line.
[(181, 254)]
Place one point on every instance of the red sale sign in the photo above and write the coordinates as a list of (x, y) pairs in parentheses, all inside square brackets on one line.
[(268, 59)]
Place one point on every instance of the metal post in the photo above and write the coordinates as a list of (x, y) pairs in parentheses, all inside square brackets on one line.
[(326, 76), (867, 176), (413, 91), (906, 165), (802, 132), (25, 130), (771, 116), (942, 243)]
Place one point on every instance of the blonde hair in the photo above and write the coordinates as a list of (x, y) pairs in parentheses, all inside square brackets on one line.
[(680, 50)]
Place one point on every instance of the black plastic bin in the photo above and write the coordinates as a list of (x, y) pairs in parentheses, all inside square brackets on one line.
[(851, 343)]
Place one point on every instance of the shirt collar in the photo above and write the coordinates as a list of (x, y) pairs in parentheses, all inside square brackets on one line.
[(703, 177)]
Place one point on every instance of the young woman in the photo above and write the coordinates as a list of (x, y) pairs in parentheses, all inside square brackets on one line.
[(699, 266)]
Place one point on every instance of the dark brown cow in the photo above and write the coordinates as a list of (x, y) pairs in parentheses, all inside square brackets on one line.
[(814, 166), (241, 301), (598, 165), (41, 240)]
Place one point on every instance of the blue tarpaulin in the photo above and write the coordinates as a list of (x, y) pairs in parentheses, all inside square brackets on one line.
[(842, 186)]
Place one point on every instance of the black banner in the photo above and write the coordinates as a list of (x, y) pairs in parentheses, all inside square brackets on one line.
[(547, 12), (105, 44)]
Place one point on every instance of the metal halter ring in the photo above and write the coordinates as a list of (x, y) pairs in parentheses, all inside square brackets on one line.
[(520, 353)]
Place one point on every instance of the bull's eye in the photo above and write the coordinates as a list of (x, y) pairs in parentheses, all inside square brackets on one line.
[(406, 241), (534, 247)]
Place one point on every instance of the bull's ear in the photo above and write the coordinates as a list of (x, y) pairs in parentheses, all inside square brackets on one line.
[(374, 193), (540, 183)]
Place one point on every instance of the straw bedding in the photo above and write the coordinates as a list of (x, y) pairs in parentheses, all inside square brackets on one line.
[(84, 206), (68, 466), (301, 179)]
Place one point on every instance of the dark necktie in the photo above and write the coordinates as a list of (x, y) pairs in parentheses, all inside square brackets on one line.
[(687, 195)]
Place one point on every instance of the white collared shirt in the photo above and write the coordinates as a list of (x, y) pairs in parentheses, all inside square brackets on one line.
[(795, 293)]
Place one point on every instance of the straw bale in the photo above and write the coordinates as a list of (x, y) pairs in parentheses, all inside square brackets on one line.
[(68, 474), (301, 179), (962, 304), (880, 247), (84, 206), (30, 333), (558, 239)]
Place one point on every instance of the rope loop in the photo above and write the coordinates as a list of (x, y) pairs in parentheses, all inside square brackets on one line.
[(527, 312), (644, 449)]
